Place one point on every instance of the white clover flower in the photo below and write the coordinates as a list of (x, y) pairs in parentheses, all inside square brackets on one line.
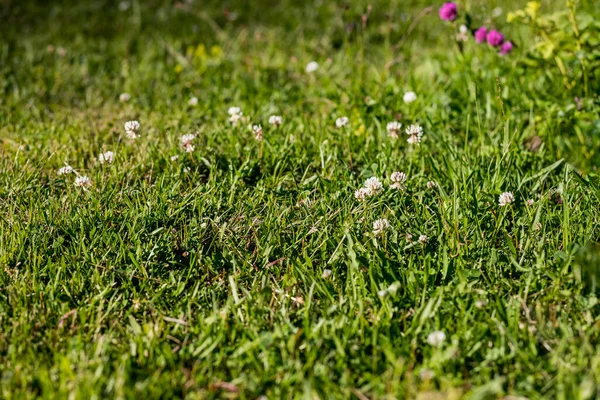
[(505, 199), (67, 169), (132, 129), (409, 97), (326, 273), (258, 132), (342, 121), (193, 101), (374, 185), (275, 120), (414, 130), (106, 157), (371, 187), (398, 178), (124, 97), (462, 35), (413, 139), (415, 133), (187, 139), (234, 119), (529, 202), (393, 129), (431, 184), (423, 239), (436, 338), (83, 181), (234, 111), (312, 67), (362, 193), (380, 226), (187, 142), (236, 115), (132, 126)]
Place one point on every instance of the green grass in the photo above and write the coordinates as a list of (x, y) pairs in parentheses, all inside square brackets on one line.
[(202, 277)]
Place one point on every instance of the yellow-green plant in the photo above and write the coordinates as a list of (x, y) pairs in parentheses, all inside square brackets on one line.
[(567, 41)]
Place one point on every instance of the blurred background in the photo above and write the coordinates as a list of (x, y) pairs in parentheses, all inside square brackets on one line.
[(85, 53)]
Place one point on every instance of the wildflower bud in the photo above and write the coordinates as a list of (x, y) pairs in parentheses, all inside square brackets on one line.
[(312, 67), (409, 97), (506, 48), (258, 132), (341, 122), (505, 199), (132, 129), (448, 11), (481, 34), (83, 181), (275, 120), (380, 226), (106, 157), (495, 38), (393, 129)]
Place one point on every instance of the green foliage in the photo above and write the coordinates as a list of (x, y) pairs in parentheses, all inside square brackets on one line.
[(565, 46), (564, 51)]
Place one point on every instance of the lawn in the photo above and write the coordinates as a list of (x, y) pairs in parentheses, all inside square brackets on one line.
[(299, 199)]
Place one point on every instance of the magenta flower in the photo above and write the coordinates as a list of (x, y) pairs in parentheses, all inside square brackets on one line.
[(448, 11), (495, 38), (481, 34), (506, 48)]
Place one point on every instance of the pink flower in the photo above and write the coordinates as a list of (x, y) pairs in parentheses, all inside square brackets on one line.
[(506, 48), (448, 11), (480, 34), (495, 38)]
